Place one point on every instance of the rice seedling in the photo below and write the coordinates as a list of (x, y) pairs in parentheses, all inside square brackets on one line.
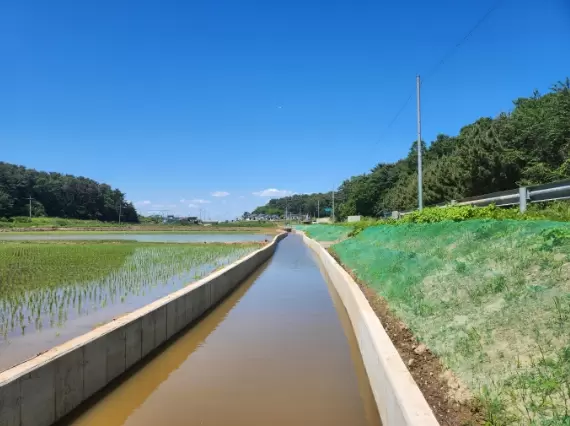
[(45, 283)]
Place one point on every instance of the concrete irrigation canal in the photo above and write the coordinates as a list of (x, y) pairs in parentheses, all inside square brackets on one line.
[(284, 348)]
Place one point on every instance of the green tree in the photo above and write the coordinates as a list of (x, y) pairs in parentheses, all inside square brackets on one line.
[(529, 145), (59, 195)]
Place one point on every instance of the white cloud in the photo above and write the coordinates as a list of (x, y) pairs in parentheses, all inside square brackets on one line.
[(142, 203), (272, 192), (192, 206), (220, 194), (242, 196), (183, 200), (199, 201)]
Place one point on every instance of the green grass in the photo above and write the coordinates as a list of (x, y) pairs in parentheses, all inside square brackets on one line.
[(246, 224), (554, 211), (557, 210), (323, 232), (491, 298), (56, 222), (45, 281), (143, 231)]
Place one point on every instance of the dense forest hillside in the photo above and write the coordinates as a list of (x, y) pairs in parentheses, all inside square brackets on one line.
[(58, 195), (529, 145)]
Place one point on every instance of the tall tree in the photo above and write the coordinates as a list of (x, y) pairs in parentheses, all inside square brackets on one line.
[(529, 145), (54, 194)]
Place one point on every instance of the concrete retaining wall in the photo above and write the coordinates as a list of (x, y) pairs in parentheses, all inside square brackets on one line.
[(42, 390), (399, 400)]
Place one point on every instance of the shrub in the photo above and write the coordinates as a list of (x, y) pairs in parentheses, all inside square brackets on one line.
[(21, 219), (61, 222), (554, 211)]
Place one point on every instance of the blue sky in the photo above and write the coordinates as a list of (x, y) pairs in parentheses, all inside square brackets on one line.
[(219, 104)]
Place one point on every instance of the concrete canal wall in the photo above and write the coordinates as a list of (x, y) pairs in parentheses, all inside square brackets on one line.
[(44, 389), (398, 398)]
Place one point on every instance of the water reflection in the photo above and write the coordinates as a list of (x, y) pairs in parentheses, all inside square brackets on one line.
[(42, 316), (278, 355)]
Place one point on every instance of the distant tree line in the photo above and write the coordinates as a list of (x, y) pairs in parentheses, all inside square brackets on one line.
[(530, 145), (59, 195), (297, 204)]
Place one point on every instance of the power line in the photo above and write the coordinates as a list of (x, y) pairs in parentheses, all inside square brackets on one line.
[(453, 49), (402, 108), (439, 63)]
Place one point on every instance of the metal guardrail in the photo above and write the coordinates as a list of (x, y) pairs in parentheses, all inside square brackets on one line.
[(521, 196)]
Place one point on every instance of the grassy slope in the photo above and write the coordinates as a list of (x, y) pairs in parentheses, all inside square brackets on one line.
[(491, 298), (321, 232)]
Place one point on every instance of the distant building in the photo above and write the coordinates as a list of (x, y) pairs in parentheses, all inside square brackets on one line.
[(353, 218)]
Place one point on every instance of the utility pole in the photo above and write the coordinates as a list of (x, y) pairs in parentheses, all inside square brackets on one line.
[(286, 207), (332, 216), (30, 199), (420, 174), (120, 212), (318, 209)]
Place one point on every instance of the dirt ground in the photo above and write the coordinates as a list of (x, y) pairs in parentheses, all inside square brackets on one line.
[(448, 399)]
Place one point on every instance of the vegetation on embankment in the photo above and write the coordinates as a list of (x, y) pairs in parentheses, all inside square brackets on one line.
[(322, 232), (490, 297), (553, 211), (42, 282)]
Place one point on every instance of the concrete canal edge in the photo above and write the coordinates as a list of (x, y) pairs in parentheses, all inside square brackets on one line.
[(44, 389), (398, 397)]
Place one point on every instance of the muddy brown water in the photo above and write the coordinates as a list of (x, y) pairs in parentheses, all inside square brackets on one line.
[(278, 351)]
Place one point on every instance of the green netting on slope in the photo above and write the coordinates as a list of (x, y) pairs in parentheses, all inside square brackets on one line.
[(388, 256), (321, 232), (480, 293)]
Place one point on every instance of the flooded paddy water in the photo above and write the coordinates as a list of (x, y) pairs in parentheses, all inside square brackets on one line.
[(198, 237), (278, 351)]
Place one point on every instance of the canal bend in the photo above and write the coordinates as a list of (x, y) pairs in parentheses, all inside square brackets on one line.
[(278, 351)]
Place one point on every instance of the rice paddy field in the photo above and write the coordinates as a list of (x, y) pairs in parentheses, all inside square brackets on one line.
[(51, 291), (148, 237)]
